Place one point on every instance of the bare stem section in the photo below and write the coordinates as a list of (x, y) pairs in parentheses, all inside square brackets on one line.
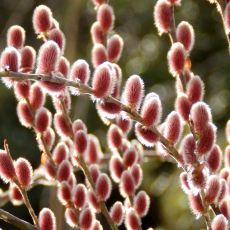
[(23, 191), (11, 219), (220, 6), (28, 204)]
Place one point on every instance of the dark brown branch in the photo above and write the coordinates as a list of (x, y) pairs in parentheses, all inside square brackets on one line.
[(11, 219)]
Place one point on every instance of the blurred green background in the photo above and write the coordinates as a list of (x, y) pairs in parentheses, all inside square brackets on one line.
[(144, 54)]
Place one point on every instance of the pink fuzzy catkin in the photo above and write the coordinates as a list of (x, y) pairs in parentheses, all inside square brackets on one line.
[(187, 149), (200, 115), (36, 96), (103, 187), (151, 109), (214, 159), (163, 16), (227, 17), (146, 136), (24, 114), (79, 196), (98, 55), (64, 171), (47, 63), (93, 152), (62, 126), (57, 36), (114, 48), (80, 71), (196, 204), (80, 142), (176, 59), (130, 157), (137, 174), (103, 81), (117, 212), (116, 168), (133, 92), (48, 57), (212, 189), (42, 120), (132, 220), (86, 218), (23, 171), (7, 170), (16, 36), (195, 89), (10, 60), (219, 223), (63, 66), (207, 139), (42, 19), (60, 152), (127, 184), (28, 55), (47, 219), (141, 203), (97, 33), (183, 106), (64, 193), (114, 137), (71, 217), (105, 17), (185, 35), (173, 127)]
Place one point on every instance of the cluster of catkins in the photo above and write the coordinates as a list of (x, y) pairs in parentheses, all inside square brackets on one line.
[(74, 147), (205, 180)]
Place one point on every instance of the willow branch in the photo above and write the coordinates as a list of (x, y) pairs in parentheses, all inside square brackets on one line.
[(103, 207), (85, 89), (4, 198), (46, 151), (28, 204), (87, 174), (206, 215), (22, 190), (40, 136), (172, 37), (11, 219), (220, 5), (38, 179)]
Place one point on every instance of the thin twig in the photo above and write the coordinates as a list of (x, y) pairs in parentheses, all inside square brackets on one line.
[(206, 207), (38, 179), (4, 198), (22, 190), (85, 169), (19, 223), (28, 204), (46, 151), (103, 207), (220, 5)]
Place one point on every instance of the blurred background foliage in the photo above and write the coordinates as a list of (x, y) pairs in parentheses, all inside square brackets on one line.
[(144, 54)]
